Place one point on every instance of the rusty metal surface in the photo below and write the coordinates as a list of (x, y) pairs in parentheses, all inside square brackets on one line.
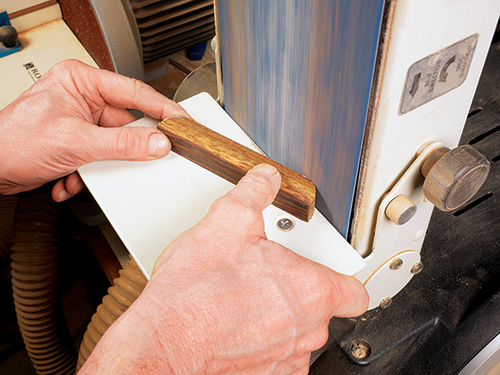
[(297, 77)]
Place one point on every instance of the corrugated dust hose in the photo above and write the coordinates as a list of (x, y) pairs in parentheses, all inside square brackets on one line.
[(33, 229), (35, 286), (125, 291)]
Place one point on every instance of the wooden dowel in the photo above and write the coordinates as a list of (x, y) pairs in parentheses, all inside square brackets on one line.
[(231, 161)]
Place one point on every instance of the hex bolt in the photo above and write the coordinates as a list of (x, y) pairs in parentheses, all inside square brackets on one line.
[(400, 210), (360, 349), (396, 264), (385, 303), (285, 224), (417, 268)]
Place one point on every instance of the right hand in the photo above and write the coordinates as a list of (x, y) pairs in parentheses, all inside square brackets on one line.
[(223, 299)]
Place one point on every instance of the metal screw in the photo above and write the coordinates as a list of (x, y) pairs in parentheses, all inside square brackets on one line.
[(396, 264), (385, 303), (360, 349), (285, 224), (417, 268)]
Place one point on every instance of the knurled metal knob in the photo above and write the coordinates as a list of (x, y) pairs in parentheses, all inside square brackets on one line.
[(8, 36), (452, 177)]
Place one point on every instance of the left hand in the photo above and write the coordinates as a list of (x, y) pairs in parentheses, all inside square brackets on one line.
[(72, 116)]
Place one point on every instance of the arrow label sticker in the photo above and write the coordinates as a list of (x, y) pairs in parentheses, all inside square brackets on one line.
[(416, 84), (437, 74)]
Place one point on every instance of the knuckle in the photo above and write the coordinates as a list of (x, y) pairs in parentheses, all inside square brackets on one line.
[(230, 201), (232, 204), (314, 340), (320, 289), (63, 73), (219, 205), (127, 146), (325, 288), (67, 66), (137, 89), (171, 108), (321, 337), (259, 182), (136, 84)]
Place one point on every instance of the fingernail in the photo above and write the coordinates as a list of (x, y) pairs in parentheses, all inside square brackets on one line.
[(63, 195), (158, 145), (264, 169)]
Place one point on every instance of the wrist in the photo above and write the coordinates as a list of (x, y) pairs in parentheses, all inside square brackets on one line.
[(129, 346), (173, 329), (151, 337)]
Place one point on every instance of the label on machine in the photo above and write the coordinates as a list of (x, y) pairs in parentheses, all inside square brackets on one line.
[(438, 73)]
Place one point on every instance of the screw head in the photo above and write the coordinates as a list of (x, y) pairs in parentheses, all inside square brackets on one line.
[(417, 268), (385, 303), (396, 264), (360, 349), (285, 224)]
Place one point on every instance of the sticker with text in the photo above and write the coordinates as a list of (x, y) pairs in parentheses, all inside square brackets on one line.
[(32, 71), (437, 74)]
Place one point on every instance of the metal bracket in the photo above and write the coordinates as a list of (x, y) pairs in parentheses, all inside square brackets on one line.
[(395, 257)]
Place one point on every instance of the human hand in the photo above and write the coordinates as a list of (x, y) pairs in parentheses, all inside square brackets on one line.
[(223, 299), (50, 130)]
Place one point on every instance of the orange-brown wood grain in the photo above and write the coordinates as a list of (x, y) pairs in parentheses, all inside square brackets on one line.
[(231, 161)]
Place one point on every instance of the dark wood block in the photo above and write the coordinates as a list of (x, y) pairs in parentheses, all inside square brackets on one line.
[(231, 161)]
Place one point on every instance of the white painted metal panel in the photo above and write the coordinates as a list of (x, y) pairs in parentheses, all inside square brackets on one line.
[(150, 203), (44, 46), (417, 29)]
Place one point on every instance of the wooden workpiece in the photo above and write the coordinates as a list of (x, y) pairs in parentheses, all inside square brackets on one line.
[(231, 161)]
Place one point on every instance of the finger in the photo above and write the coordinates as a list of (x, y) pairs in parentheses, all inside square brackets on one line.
[(258, 188), (114, 117), (126, 143), (347, 296), (67, 187), (123, 92)]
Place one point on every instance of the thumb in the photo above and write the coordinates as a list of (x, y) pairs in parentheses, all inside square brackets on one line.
[(258, 188), (128, 143), (347, 296), (245, 202)]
